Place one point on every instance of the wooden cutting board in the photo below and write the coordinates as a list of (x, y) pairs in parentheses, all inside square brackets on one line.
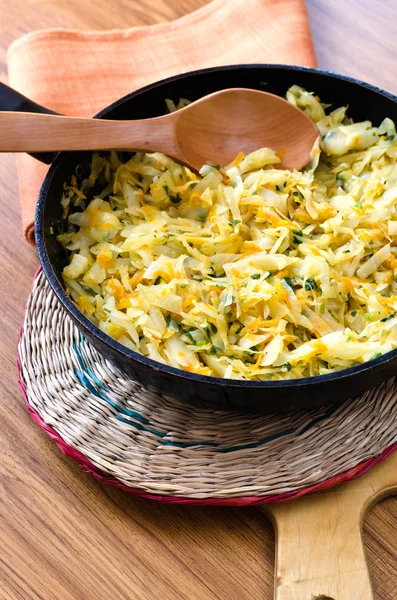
[(319, 547)]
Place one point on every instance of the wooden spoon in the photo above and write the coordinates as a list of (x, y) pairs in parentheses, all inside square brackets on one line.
[(211, 130)]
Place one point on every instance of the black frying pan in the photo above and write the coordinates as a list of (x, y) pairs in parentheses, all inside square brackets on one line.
[(365, 102)]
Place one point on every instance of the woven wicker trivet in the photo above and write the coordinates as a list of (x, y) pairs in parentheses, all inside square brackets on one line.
[(161, 448)]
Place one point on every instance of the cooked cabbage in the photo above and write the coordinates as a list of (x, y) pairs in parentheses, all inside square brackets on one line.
[(249, 271)]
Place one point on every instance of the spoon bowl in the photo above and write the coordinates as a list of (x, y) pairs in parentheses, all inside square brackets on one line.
[(211, 130), (216, 128)]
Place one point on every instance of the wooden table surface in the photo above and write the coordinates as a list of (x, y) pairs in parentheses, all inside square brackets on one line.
[(65, 536)]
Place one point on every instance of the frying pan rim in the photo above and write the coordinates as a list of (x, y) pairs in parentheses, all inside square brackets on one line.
[(86, 325)]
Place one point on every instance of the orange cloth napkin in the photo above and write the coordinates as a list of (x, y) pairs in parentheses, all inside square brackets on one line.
[(79, 73)]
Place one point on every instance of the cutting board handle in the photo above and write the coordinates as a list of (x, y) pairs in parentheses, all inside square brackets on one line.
[(320, 552), (319, 548)]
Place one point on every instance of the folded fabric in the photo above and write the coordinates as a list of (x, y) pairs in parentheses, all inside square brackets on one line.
[(79, 73)]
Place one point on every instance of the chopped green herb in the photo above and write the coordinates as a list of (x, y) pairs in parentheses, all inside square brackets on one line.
[(310, 284), (165, 188), (289, 282), (239, 329), (376, 355), (279, 188), (217, 167), (189, 336), (157, 280), (322, 308), (183, 285), (234, 222), (390, 137), (388, 318), (268, 276), (175, 199), (297, 237), (286, 367), (229, 314), (346, 251), (255, 276), (106, 310), (354, 312), (213, 327), (172, 324), (201, 343), (255, 193)]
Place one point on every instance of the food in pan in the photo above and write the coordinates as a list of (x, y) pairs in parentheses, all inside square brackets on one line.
[(247, 271)]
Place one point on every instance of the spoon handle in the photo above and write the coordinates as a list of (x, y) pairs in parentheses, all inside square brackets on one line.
[(29, 132)]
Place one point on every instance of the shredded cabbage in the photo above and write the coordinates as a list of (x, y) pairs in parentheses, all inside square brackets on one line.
[(249, 271)]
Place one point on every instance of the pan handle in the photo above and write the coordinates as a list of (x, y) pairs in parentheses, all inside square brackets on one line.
[(11, 100)]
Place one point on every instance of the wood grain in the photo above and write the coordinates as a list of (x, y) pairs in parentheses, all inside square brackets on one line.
[(67, 537), (326, 529)]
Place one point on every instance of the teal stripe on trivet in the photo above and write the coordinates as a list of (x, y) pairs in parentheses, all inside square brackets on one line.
[(144, 424), (84, 366)]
